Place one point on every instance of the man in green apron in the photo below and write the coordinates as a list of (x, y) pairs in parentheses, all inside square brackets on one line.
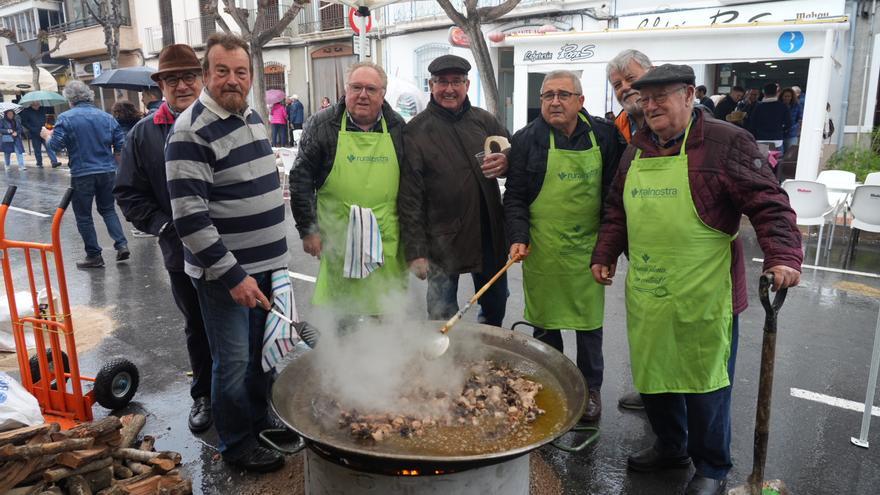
[(676, 205), (560, 167), (350, 156)]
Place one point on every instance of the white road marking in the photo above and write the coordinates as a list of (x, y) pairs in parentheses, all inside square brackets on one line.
[(835, 270), (300, 276), (29, 212), (833, 401)]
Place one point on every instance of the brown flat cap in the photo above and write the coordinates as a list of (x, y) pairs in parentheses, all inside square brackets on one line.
[(449, 63), (666, 74), (177, 58)]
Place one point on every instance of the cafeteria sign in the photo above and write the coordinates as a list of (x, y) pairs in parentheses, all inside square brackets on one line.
[(569, 52)]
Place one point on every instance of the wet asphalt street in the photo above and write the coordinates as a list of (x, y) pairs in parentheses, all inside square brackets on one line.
[(824, 347)]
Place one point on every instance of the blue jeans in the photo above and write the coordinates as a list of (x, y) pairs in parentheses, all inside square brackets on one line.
[(7, 156), (698, 424), (239, 386), (279, 135), (37, 143), (97, 187), (442, 293)]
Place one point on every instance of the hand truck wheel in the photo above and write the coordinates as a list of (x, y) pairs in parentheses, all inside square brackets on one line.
[(116, 384), (35, 368)]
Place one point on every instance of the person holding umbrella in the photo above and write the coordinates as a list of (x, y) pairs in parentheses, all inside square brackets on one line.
[(10, 136), (33, 118)]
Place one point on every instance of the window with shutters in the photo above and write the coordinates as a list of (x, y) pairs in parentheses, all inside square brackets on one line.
[(424, 55)]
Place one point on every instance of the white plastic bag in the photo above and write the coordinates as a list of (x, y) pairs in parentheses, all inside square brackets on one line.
[(17, 407)]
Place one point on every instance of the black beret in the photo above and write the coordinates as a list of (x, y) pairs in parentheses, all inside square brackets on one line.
[(449, 63), (666, 74)]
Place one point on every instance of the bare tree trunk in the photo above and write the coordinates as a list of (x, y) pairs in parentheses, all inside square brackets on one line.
[(258, 86), (36, 74), (480, 51)]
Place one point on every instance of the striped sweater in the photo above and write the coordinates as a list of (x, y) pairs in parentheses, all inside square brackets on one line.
[(225, 193)]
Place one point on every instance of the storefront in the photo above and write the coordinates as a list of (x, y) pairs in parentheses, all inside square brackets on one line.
[(822, 42)]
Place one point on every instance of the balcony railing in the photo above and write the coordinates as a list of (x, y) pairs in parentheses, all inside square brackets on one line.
[(193, 32), (83, 23), (420, 10)]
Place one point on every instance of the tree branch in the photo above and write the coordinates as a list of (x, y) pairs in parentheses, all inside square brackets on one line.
[(457, 17), (470, 6), (266, 35), (236, 16), (489, 14), (99, 19), (212, 10)]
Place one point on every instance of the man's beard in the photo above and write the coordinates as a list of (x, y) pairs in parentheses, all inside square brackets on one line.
[(232, 101), (632, 109)]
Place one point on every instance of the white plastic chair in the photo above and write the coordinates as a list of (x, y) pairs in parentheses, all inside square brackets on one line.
[(844, 182), (809, 199), (297, 135), (866, 214), (873, 179)]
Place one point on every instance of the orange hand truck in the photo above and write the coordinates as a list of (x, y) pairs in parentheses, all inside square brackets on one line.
[(56, 383)]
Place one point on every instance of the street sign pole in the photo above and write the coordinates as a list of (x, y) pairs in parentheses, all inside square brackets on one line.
[(862, 441), (363, 38)]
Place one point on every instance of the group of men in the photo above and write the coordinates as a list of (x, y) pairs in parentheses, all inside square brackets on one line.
[(200, 174)]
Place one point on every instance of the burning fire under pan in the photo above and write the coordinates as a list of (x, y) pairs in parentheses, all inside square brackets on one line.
[(336, 462)]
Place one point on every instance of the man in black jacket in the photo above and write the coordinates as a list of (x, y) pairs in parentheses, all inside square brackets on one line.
[(561, 165), (338, 168), (451, 215), (142, 193), (729, 102), (33, 118), (771, 118)]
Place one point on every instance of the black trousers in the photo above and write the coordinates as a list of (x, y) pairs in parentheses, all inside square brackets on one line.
[(187, 301), (589, 352)]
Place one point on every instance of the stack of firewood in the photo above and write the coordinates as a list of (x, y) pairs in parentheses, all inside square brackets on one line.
[(92, 458)]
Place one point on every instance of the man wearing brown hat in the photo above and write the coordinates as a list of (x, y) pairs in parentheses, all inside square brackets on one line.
[(676, 204), (451, 215), (142, 194)]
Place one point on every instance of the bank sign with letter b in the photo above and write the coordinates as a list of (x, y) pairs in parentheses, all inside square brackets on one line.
[(791, 41)]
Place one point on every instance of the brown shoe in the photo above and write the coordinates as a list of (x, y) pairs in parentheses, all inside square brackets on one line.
[(594, 407)]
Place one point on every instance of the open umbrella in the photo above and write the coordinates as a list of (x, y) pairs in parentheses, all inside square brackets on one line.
[(46, 98), (8, 105), (405, 97), (130, 78), (273, 96)]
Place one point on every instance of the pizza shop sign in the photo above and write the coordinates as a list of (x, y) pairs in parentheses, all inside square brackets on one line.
[(569, 52)]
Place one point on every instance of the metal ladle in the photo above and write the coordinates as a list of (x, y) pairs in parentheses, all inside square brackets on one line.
[(438, 346)]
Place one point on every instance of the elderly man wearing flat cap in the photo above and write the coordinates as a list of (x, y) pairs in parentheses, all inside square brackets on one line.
[(451, 215), (142, 193), (676, 203)]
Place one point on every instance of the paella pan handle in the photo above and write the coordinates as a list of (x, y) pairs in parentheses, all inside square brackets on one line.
[(278, 433), (592, 437)]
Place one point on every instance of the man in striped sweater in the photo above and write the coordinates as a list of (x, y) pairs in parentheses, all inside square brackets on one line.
[(228, 210)]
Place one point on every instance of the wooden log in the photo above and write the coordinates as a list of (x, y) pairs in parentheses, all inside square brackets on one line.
[(146, 486), (139, 468), (111, 439), (19, 435), (147, 443), (100, 479), (135, 479), (77, 485), (175, 487), (27, 490), (78, 458), (9, 451), (144, 456), (57, 474), (52, 491), (95, 428), (132, 424), (112, 490), (162, 464), (14, 472), (121, 472), (36, 475)]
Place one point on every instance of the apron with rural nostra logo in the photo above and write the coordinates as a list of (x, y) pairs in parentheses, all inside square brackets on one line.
[(559, 290), (365, 173), (679, 305)]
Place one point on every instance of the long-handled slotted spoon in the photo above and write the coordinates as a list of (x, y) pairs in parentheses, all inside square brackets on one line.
[(438, 346)]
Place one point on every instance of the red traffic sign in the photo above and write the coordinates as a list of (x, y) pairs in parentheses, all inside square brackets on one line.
[(352, 12)]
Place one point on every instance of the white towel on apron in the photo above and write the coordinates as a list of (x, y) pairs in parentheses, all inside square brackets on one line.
[(279, 337), (363, 246)]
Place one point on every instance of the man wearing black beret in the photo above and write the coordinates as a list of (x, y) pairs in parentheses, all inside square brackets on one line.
[(676, 203), (451, 217)]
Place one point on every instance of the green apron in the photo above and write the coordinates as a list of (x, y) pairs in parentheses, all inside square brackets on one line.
[(679, 305), (559, 290), (365, 173)]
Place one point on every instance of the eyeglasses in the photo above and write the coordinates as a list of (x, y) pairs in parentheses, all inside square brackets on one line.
[(563, 96), (659, 98), (187, 78), (455, 83), (357, 88)]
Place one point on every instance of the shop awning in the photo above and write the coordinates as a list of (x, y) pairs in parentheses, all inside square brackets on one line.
[(17, 79)]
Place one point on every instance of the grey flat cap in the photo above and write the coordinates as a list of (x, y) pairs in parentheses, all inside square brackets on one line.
[(449, 63), (666, 74)]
